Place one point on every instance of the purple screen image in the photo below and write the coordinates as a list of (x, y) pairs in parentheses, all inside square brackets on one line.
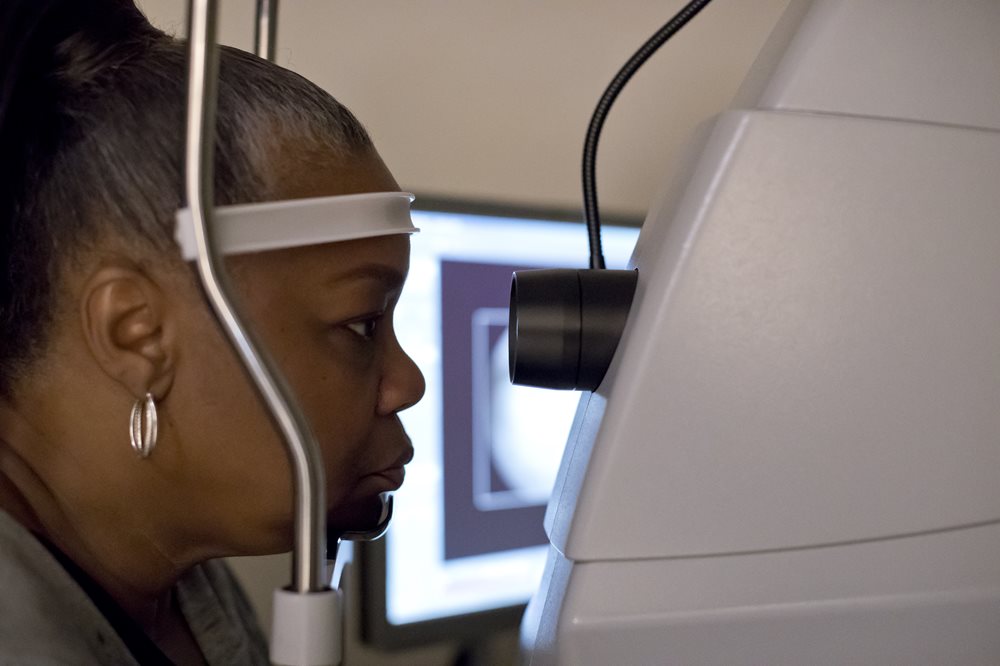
[(468, 288)]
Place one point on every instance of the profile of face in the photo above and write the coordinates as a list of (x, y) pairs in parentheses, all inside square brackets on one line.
[(325, 314)]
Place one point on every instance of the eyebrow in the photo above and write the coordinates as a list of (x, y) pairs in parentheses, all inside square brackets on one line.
[(391, 278)]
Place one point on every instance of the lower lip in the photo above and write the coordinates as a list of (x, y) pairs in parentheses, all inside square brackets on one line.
[(393, 477)]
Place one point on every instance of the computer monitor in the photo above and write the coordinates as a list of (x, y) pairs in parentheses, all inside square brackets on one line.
[(466, 547)]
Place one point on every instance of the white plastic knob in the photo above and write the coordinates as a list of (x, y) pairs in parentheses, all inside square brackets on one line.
[(307, 629)]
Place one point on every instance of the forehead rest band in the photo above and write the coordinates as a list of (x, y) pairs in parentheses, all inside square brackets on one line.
[(277, 225)]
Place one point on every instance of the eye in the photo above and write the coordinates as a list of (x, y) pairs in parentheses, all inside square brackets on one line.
[(364, 328)]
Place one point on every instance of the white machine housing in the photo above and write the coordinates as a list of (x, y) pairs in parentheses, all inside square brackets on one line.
[(795, 455)]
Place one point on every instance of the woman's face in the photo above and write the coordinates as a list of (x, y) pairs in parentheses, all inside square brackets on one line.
[(325, 314)]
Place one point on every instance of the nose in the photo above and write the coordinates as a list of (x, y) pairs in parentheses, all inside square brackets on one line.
[(402, 384)]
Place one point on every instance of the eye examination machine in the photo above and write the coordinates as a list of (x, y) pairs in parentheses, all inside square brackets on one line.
[(787, 448), (794, 456)]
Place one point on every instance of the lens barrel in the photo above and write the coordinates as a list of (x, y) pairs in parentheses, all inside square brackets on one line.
[(565, 325)]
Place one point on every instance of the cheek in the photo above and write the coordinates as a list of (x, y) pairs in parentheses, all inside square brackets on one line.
[(220, 394), (226, 443), (339, 395)]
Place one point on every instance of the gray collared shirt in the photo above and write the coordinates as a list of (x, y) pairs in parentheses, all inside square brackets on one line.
[(46, 618)]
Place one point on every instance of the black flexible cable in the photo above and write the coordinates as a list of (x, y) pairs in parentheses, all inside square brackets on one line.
[(590, 210)]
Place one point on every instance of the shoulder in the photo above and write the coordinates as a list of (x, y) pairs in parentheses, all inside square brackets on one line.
[(45, 618)]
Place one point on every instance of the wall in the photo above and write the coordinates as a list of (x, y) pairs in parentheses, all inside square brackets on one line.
[(490, 100)]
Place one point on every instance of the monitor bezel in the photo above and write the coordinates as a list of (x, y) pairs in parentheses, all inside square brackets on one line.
[(376, 629)]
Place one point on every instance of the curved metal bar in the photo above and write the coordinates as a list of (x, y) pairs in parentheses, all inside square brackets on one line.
[(309, 564), (266, 29)]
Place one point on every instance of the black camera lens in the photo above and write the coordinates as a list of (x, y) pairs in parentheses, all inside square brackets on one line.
[(565, 325)]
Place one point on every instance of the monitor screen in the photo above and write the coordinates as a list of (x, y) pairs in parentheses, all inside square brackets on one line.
[(467, 541)]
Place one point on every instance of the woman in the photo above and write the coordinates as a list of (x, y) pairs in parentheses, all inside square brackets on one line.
[(106, 557)]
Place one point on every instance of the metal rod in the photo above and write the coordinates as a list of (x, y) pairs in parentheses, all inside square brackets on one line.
[(308, 564), (266, 29)]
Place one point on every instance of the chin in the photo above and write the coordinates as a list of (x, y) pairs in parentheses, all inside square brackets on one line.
[(356, 515)]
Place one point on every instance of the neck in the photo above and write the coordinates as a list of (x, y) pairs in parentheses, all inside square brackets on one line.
[(124, 560)]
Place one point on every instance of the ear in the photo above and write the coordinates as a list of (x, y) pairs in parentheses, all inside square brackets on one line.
[(128, 329)]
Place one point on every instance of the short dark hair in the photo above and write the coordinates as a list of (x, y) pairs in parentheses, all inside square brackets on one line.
[(91, 142)]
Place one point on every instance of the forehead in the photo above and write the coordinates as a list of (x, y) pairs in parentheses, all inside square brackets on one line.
[(383, 260), (301, 171)]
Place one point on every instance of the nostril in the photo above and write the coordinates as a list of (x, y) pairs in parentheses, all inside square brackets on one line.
[(403, 408)]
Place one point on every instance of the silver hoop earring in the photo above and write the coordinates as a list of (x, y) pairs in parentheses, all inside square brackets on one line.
[(142, 426)]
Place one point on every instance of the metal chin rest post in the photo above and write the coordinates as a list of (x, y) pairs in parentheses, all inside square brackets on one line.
[(307, 626)]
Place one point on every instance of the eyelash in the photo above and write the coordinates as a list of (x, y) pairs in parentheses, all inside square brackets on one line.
[(365, 328)]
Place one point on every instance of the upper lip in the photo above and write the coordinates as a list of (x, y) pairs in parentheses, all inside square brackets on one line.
[(405, 457)]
